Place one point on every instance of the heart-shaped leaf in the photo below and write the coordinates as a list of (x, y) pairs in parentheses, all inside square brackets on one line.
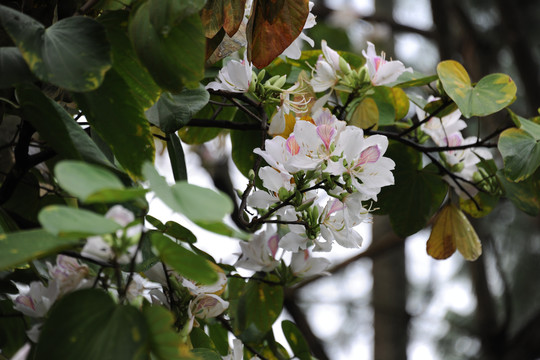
[(452, 230), (520, 149), (13, 68), (73, 53), (491, 94)]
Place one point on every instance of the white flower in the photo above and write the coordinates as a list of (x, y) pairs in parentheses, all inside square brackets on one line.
[(279, 152), (440, 128), (304, 265), (234, 77), (294, 51), (338, 220), (216, 288), (237, 352), (23, 352), (327, 69), (258, 254), (273, 180), (316, 141), (140, 288), (69, 274), (381, 71), (206, 306), (35, 300), (363, 161)]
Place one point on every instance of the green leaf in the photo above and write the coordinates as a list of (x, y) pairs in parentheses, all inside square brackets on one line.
[(166, 13), (219, 336), (173, 56), (384, 99), (199, 339), (415, 188), (243, 143), (73, 53), (179, 232), (173, 111), (201, 204), (520, 149), (272, 27), (165, 343), (120, 121), (177, 158), (221, 228), (486, 202), (197, 135), (186, 263), (67, 221), (93, 184), (259, 307), (413, 79), (21, 247), (125, 60), (104, 330), (197, 203), (12, 329), (205, 354), (296, 340), (49, 119), (491, 94), (82, 179), (525, 194), (13, 68)]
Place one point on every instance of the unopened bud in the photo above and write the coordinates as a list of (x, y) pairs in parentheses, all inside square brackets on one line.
[(344, 66), (283, 194), (260, 77)]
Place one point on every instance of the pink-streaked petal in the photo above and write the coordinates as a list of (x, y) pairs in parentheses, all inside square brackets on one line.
[(369, 155), (292, 145), (326, 133), (273, 244)]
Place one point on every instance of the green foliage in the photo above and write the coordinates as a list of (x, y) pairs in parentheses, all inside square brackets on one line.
[(160, 49), (21, 247), (520, 148), (164, 342), (119, 121), (13, 68), (78, 44), (104, 330), (93, 184), (416, 188), (71, 222), (491, 94), (173, 111), (182, 260), (296, 340), (125, 61)]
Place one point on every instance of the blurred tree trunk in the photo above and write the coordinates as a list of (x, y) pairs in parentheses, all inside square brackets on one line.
[(389, 295)]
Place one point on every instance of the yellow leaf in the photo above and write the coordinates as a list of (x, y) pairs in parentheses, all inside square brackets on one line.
[(366, 115), (453, 230)]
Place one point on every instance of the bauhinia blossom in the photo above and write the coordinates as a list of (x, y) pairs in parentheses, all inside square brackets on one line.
[(305, 265), (235, 77), (380, 70), (363, 161), (69, 274), (328, 69), (259, 253)]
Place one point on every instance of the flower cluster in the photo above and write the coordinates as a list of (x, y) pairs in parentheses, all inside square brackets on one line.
[(446, 132)]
